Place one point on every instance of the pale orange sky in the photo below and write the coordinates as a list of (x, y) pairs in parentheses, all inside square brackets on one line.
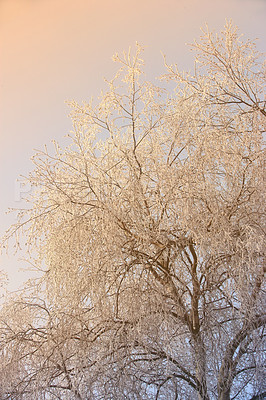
[(54, 50)]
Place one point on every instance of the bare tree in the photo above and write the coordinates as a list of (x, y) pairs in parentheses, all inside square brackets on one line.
[(149, 229)]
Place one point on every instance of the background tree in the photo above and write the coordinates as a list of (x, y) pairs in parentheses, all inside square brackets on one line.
[(149, 230)]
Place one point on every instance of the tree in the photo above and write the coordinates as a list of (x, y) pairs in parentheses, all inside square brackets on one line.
[(149, 230)]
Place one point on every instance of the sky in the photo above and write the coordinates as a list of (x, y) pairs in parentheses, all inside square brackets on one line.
[(57, 50)]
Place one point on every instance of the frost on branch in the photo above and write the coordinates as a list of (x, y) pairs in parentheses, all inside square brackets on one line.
[(149, 229)]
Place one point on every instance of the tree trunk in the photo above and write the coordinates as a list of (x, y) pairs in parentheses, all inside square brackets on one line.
[(224, 395), (200, 364)]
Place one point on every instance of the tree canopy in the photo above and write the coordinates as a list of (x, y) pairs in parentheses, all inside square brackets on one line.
[(149, 232)]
